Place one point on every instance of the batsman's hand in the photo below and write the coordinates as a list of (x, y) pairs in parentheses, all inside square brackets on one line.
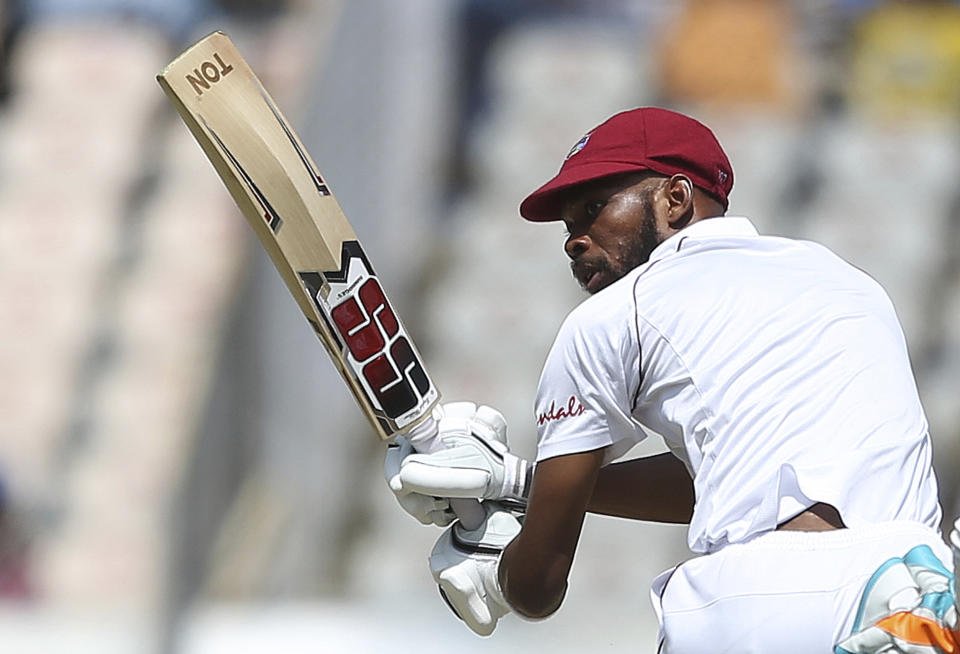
[(476, 462), (427, 509), (464, 564)]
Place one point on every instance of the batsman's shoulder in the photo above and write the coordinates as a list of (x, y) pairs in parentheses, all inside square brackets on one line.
[(606, 311)]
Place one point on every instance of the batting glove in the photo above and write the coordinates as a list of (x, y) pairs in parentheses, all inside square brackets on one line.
[(476, 462), (464, 564), (427, 509)]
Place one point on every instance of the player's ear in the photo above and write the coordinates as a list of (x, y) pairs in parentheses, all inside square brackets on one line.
[(679, 198)]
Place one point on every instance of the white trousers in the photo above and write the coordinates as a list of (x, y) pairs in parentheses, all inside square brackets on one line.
[(785, 591)]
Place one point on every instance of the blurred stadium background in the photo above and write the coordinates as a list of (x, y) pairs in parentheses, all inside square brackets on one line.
[(181, 471)]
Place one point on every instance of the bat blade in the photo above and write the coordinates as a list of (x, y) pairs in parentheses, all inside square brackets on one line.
[(313, 246), (299, 222)]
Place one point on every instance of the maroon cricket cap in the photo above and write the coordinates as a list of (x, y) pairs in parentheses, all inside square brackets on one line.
[(648, 138)]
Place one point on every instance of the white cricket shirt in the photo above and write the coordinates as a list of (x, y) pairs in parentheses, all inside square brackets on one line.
[(776, 371)]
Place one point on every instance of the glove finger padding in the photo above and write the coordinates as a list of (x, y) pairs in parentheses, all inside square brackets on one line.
[(464, 564), (494, 420), (456, 411), (457, 471), (427, 509), (475, 463), (462, 591), (465, 418)]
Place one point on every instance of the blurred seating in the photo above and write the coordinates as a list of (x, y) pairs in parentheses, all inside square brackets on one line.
[(68, 158), (16, 582), (733, 54), (112, 294), (906, 62)]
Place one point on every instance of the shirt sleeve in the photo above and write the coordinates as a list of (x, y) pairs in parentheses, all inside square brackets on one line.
[(589, 381)]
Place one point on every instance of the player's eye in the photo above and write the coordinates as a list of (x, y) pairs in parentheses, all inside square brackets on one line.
[(593, 207)]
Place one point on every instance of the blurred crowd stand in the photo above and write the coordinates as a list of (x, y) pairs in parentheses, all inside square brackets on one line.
[(187, 440), (122, 259), (86, 382)]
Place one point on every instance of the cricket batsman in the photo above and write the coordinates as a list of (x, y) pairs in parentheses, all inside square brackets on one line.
[(778, 376)]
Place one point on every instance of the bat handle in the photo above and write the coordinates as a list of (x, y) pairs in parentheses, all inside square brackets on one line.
[(425, 438)]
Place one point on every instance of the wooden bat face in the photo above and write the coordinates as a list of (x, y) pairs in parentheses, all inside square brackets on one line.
[(299, 222)]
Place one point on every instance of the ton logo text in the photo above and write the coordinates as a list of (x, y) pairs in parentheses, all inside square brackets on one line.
[(207, 73)]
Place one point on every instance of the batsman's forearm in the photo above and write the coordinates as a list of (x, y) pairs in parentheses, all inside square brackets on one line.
[(532, 589), (534, 567), (655, 488)]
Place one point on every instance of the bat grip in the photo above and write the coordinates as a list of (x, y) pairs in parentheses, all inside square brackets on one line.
[(425, 438)]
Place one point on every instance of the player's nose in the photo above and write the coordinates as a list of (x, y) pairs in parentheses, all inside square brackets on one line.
[(576, 245)]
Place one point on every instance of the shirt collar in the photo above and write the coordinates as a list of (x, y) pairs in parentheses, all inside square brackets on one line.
[(720, 226)]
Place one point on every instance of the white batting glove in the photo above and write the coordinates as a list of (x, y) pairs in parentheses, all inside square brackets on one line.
[(427, 509), (476, 462), (464, 564)]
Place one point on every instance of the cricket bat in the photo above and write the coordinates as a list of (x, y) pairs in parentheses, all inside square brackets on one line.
[(299, 222)]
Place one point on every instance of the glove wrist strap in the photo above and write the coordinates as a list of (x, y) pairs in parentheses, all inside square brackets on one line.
[(517, 477)]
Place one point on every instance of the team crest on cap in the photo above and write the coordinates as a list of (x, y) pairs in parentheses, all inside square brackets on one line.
[(579, 145)]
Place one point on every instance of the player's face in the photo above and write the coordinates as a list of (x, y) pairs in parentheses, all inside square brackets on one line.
[(612, 228)]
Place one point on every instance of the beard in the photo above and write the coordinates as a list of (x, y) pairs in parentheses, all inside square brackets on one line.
[(634, 250)]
